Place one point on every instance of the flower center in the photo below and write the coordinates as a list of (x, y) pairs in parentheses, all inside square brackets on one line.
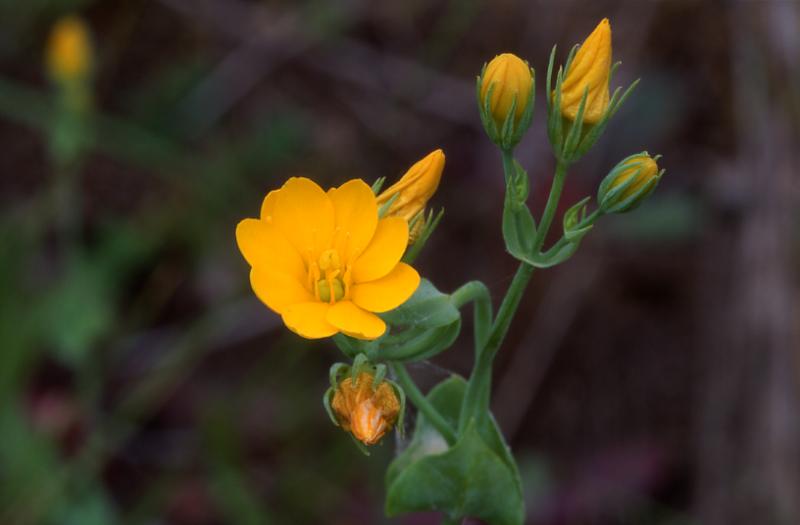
[(330, 279)]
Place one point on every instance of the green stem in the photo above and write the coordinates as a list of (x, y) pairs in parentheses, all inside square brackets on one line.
[(423, 405), (476, 291), (552, 204), (476, 399)]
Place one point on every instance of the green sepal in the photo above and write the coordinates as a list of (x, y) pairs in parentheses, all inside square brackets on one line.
[(401, 396), (482, 480), (378, 184), (326, 402), (574, 230), (386, 205), (431, 222)]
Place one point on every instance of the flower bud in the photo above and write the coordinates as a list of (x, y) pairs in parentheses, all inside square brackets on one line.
[(367, 413), (512, 79), (69, 50), (590, 69), (629, 183), (411, 193)]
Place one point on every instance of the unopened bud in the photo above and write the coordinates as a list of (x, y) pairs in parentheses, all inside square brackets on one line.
[(629, 183)]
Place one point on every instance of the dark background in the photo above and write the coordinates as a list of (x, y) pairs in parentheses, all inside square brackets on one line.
[(653, 378)]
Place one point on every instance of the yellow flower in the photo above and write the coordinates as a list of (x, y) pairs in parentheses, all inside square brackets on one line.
[(365, 412), (324, 261), (69, 51), (629, 183), (413, 190), (591, 68), (511, 78)]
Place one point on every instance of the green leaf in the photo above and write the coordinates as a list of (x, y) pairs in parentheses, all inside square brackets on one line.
[(417, 344), (477, 477), (427, 308)]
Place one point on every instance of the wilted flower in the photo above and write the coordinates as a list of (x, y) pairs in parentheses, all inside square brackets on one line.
[(411, 193), (590, 69), (69, 50), (366, 412), (324, 261), (512, 79), (629, 183)]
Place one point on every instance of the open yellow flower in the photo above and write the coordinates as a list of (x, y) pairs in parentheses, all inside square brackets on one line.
[(590, 69), (324, 261)]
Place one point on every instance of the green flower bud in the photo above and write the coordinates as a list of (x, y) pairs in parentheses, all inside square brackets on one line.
[(629, 183)]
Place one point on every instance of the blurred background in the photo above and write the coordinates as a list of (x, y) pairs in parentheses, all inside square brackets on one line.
[(651, 379)]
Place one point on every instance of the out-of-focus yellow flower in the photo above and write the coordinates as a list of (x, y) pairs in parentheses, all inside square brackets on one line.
[(629, 183), (324, 261), (69, 49), (367, 413), (511, 77), (591, 68), (413, 191)]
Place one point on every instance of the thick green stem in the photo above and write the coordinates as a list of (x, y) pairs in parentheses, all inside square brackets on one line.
[(552, 204), (423, 405), (476, 399), (476, 291)]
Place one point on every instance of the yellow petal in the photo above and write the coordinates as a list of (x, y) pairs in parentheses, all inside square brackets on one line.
[(278, 290), (304, 214), (355, 322), (387, 292), (309, 320), (268, 206), (384, 252), (262, 245), (356, 217)]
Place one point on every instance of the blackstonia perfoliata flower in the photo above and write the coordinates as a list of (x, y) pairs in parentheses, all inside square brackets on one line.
[(509, 78), (590, 69), (629, 183), (366, 412), (324, 261), (407, 197), (69, 50)]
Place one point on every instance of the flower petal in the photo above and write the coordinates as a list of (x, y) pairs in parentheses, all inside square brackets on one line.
[(263, 245), (355, 322), (268, 206), (384, 252), (309, 320), (304, 214), (356, 217), (278, 290), (387, 292)]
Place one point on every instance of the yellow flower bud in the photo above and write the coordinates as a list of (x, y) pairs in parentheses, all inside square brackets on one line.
[(69, 50), (629, 183), (591, 68), (511, 77), (413, 190), (365, 412)]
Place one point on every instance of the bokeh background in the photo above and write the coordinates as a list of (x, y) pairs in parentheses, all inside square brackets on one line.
[(651, 379)]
